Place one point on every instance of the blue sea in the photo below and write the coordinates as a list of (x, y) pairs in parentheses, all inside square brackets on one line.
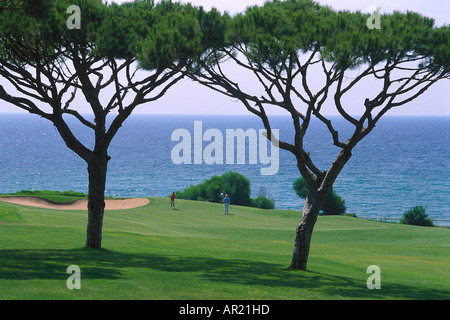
[(404, 162)]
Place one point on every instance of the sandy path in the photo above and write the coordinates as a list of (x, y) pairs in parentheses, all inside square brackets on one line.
[(116, 204)]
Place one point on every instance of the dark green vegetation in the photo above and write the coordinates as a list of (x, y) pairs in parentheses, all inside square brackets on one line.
[(333, 203), (196, 252), (236, 185), (416, 216)]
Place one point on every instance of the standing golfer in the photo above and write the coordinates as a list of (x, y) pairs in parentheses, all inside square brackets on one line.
[(226, 204), (172, 200)]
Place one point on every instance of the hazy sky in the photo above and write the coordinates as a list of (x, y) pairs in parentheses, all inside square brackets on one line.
[(190, 98)]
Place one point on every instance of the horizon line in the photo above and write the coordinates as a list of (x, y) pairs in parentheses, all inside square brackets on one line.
[(242, 114)]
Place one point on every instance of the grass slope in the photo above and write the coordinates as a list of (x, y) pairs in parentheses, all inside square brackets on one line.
[(197, 252)]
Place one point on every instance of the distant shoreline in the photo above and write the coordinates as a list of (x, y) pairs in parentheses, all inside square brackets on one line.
[(247, 114)]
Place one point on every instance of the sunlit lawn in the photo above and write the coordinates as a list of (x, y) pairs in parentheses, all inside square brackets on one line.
[(197, 252)]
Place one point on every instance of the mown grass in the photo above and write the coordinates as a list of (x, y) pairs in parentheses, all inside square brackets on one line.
[(197, 252)]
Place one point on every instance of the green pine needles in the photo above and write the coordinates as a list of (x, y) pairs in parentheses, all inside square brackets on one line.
[(416, 216)]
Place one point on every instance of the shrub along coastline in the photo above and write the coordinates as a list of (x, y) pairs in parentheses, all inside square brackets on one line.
[(236, 185)]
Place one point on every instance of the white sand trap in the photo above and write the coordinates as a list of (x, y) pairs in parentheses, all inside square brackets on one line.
[(116, 204)]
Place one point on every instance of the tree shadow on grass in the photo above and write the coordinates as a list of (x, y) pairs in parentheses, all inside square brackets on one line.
[(51, 264)]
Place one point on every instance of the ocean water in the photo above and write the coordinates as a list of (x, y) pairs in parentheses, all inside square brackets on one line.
[(404, 162)]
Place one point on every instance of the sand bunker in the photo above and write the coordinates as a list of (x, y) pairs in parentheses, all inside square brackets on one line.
[(116, 204)]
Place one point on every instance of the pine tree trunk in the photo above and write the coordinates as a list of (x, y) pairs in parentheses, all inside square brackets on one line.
[(304, 231), (96, 202), (313, 202)]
